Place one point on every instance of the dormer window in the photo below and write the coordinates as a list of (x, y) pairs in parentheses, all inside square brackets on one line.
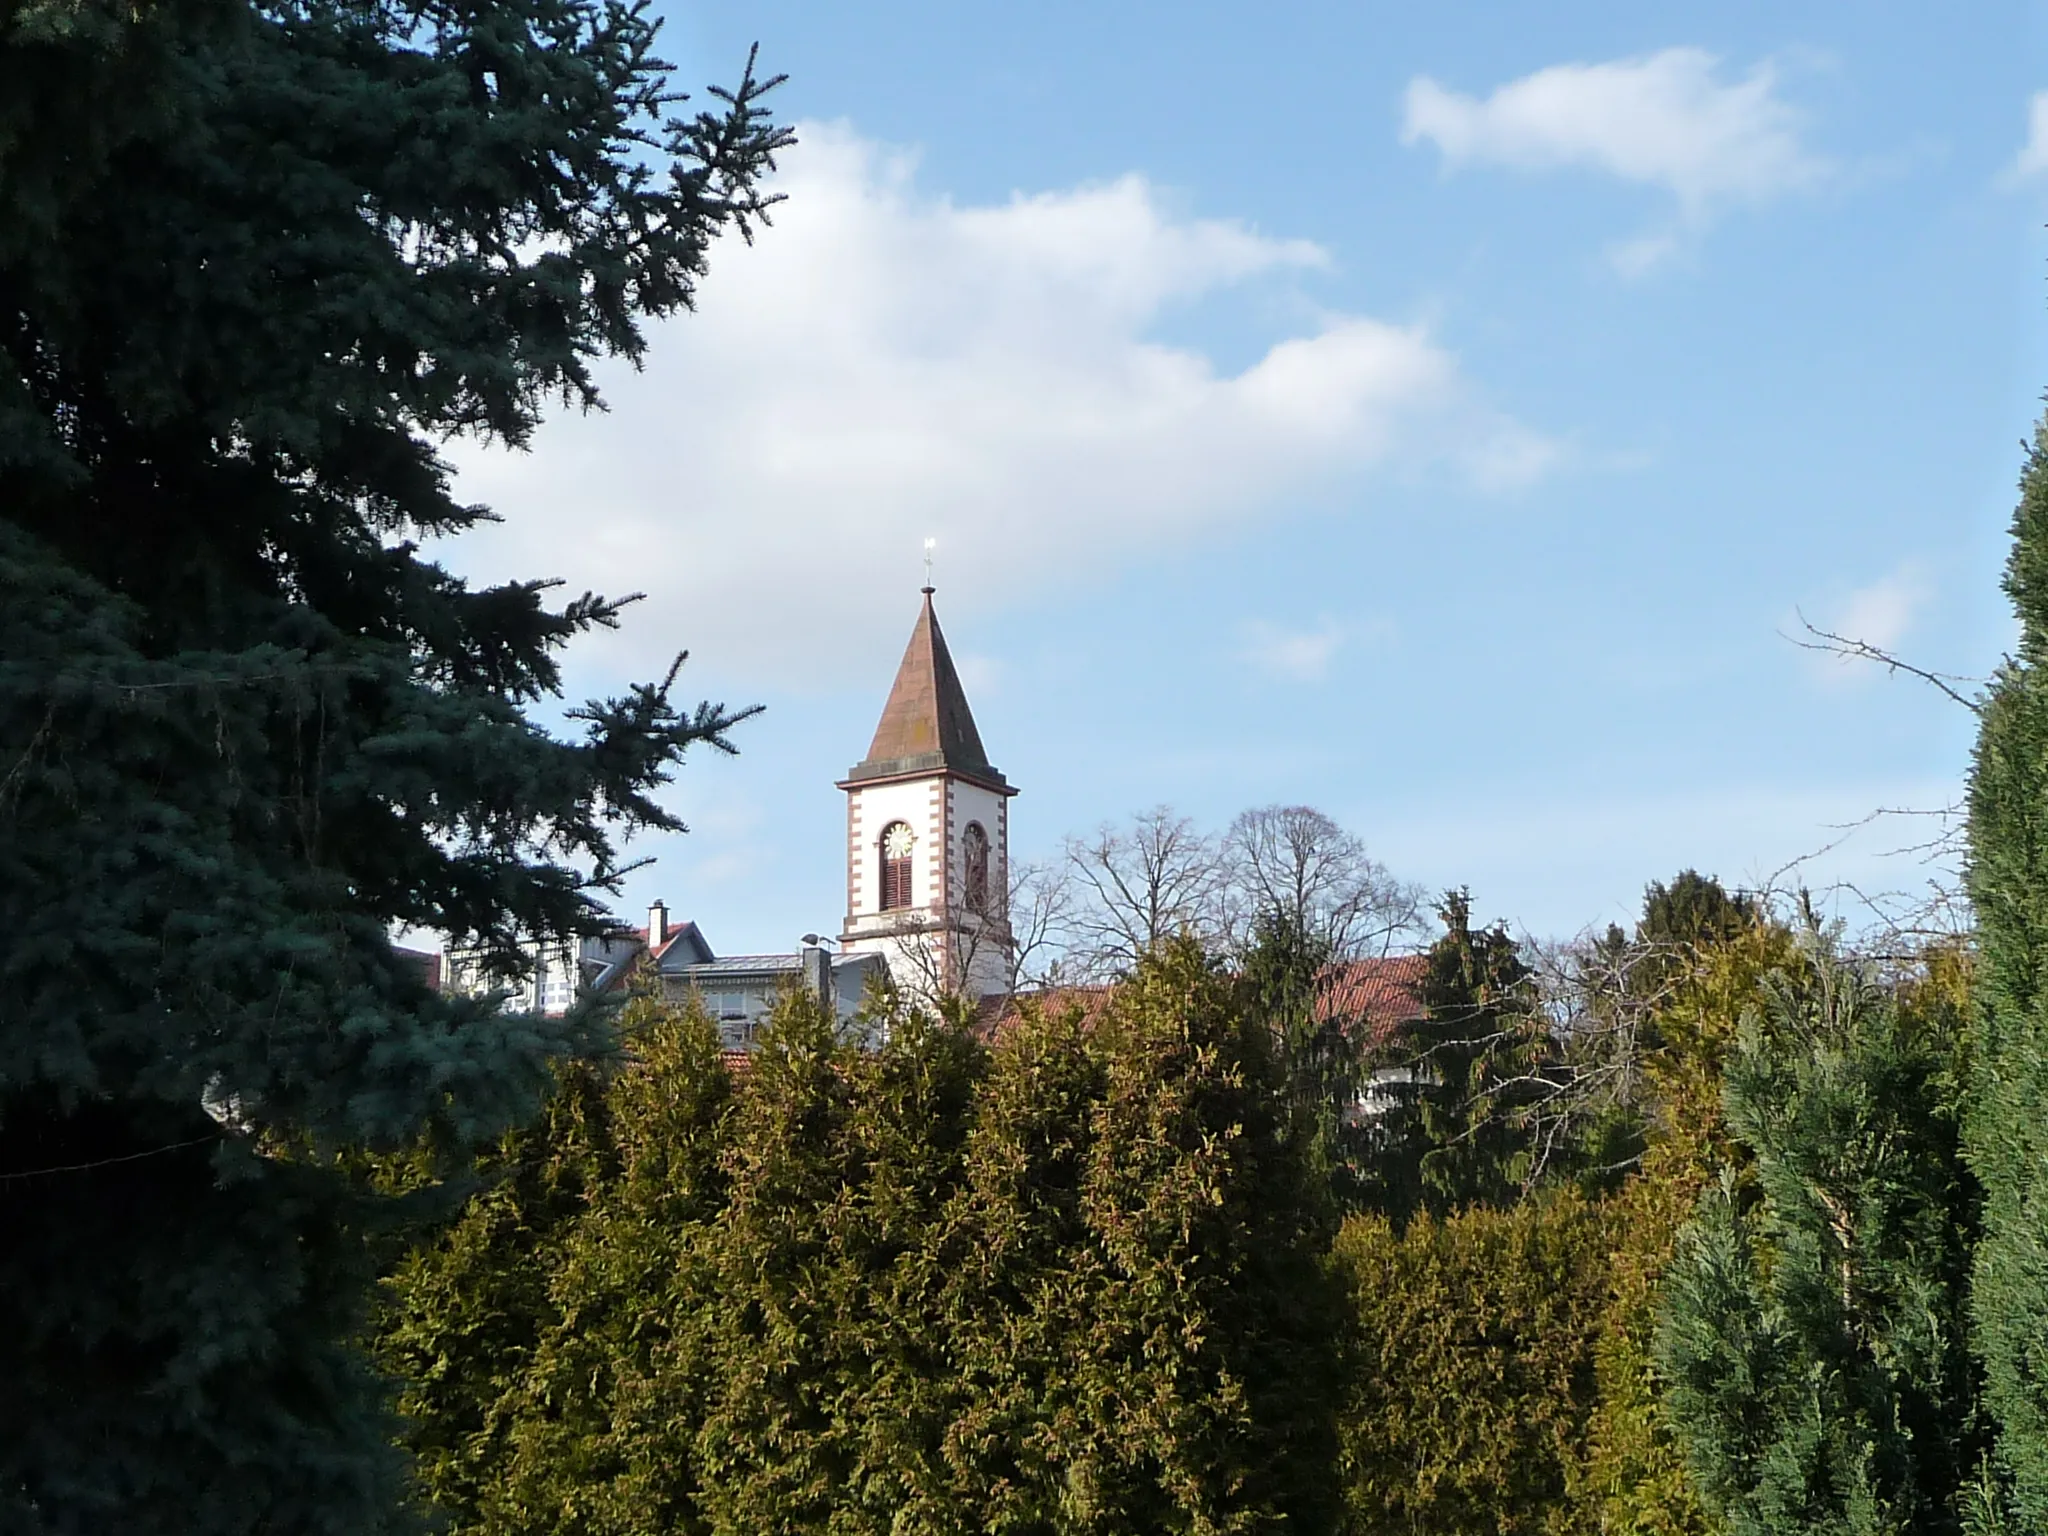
[(897, 841), (974, 862)]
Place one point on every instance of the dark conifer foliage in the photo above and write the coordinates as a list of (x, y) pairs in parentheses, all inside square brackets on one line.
[(1325, 1057), (256, 262), (1812, 1335), (1692, 911), (2007, 1130), (1454, 1130)]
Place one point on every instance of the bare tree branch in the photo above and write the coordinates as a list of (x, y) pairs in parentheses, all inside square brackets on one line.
[(1041, 911), (1140, 885), (1832, 644), (1295, 862), (1902, 921)]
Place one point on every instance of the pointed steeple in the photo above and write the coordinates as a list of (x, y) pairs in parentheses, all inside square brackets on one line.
[(926, 726)]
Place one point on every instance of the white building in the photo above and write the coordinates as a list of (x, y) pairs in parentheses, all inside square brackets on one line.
[(739, 990), (927, 882), (558, 973), (928, 835), (736, 990)]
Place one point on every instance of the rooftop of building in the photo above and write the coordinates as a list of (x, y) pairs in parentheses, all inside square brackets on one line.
[(1380, 993), (926, 725), (769, 965)]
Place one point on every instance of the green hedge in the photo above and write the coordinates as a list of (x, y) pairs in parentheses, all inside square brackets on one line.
[(1474, 1379)]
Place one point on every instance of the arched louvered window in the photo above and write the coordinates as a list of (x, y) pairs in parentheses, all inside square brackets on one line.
[(897, 841), (974, 859)]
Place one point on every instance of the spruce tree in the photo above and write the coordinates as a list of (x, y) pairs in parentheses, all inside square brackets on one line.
[(1323, 1055), (2007, 1129), (1812, 1330), (1693, 912), (257, 261), (1454, 1128)]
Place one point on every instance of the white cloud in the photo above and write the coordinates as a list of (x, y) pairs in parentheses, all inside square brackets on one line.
[(1664, 120), (1302, 655), (1879, 615), (981, 676), (2033, 156), (885, 365), (1645, 253)]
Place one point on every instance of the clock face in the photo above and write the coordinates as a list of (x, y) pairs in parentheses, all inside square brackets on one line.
[(896, 844)]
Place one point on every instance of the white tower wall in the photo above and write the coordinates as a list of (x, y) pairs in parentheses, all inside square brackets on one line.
[(927, 770)]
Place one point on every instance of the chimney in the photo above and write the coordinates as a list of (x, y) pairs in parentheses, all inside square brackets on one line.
[(657, 924), (817, 965)]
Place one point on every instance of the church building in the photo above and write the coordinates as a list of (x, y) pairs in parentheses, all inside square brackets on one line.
[(928, 835), (927, 883)]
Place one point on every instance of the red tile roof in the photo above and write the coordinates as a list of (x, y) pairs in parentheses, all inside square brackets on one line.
[(1381, 992), (926, 723), (1384, 992), (676, 929), (996, 1014)]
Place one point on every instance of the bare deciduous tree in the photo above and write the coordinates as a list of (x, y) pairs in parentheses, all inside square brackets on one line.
[(1041, 911), (1025, 921), (1141, 884), (1901, 921), (1295, 862), (1600, 994)]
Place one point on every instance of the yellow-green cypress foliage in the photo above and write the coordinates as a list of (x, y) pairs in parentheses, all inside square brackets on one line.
[(464, 1312), (552, 1342), (1634, 1481), (1474, 1378), (1206, 1365), (1147, 1320), (1075, 1284), (1024, 1267), (767, 1443), (604, 1442), (835, 1381), (899, 1247)]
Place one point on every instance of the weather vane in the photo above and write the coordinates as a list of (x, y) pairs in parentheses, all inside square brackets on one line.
[(929, 546)]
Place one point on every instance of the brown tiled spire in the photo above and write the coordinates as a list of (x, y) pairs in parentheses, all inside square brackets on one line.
[(926, 725)]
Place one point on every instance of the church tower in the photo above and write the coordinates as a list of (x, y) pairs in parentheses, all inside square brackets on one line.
[(928, 834)]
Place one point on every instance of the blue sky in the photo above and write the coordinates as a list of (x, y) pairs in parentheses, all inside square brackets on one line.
[(1436, 415)]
